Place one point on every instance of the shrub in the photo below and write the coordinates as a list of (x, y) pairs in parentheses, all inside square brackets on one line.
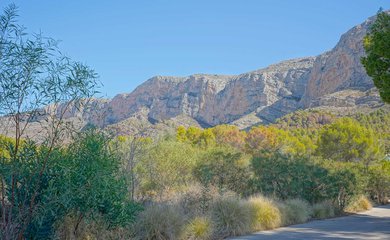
[(199, 228), (197, 200), (286, 213), (323, 210), (379, 181), (161, 222), (264, 213), (287, 176), (231, 217), (295, 211), (224, 168), (358, 204), (89, 229)]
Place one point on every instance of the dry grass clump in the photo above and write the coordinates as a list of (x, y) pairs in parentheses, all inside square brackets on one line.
[(323, 210), (358, 204), (89, 230), (160, 222), (199, 228), (66, 229), (295, 211), (231, 217), (197, 200), (286, 212), (264, 213)]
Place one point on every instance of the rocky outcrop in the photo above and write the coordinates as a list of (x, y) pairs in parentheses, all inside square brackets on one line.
[(340, 68), (213, 99)]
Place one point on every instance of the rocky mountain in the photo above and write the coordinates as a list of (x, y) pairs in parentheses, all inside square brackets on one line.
[(334, 80)]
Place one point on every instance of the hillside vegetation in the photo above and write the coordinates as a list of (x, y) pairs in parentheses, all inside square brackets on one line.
[(206, 184)]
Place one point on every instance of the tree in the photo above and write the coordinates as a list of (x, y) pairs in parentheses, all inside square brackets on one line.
[(196, 136), (37, 83), (165, 168), (262, 138), (270, 138), (90, 180), (229, 135), (286, 177), (346, 140), (131, 149), (224, 168), (379, 182), (377, 61)]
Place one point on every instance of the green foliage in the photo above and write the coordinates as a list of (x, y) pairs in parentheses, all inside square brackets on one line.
[(34, 74), (308, 120), (379, 182), (377, 61), (196, 136), (347, 180), (165, 168), (92, 181), (288, 177), (225, 169), (5, 143), (379, 122), (346, 140)]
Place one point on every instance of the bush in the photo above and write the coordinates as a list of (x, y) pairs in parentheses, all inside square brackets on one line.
[(264, 213), (358, 204), (199, 228), (290, 177), (231, 217), (161, 222), (88, 229), (295, 211), (285, 213), (197, 200), (323, 210), (379, 182), (224, 168)]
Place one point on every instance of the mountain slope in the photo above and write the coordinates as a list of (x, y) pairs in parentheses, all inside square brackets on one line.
[(335, 81)]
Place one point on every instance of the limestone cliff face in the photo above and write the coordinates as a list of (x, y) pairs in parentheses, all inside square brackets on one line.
[(213, 99), (335, 80), (340, 68)]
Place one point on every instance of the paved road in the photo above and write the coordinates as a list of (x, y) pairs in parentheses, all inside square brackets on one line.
[(373, 224)]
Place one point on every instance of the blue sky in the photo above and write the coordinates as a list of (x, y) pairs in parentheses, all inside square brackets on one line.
[(127, 42)]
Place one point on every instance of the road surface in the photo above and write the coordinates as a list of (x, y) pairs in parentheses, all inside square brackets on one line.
[(373, 224)]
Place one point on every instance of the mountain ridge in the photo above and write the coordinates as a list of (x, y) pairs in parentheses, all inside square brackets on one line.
[(334, 80)]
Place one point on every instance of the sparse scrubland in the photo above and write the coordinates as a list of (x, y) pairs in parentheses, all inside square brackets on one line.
[(195, 184)]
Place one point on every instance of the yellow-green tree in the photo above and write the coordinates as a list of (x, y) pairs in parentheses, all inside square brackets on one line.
[(165, 168), (229, 135), (347, 140)]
